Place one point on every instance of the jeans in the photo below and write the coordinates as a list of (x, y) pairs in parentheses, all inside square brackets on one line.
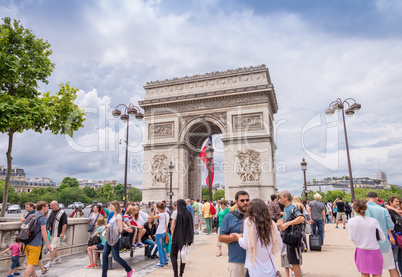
[(174, 253), (398, 258), (319, 224), (115, 253), (151, 246), (327, 218), (162, 254), (208, 223)]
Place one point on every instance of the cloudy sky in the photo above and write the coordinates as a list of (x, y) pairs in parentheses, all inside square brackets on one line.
[(316, 52)]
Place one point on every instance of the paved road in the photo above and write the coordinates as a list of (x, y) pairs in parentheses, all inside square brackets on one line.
[(335, 259), (68, 212)]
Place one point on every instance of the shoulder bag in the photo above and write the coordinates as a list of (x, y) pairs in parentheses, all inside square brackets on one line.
[(91, 226), (292, 236)]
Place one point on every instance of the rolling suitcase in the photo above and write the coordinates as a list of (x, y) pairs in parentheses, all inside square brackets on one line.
[(315, 243)]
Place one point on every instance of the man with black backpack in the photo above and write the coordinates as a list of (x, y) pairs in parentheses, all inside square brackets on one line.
[(232, 223), (33, 244), (292, 216), (57, 224)]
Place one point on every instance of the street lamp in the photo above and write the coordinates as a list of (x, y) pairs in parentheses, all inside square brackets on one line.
[(129, 110), (210, 156), (171, 168), (304, 168), (338, 105)]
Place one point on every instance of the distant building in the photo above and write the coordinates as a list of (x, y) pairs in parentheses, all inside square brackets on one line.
[(28, 185), (16, 173), (381, 175), (98, 184), (329, 184)]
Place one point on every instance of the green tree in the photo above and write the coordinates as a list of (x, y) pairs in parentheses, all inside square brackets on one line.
[(13, 196), (204, 193), (90, 192), (106, 192), (69, 182), (24, 62), (118, 192), (135, 194), (219, 194)]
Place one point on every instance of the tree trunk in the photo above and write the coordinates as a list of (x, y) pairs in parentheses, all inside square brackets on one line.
[(8, 176)]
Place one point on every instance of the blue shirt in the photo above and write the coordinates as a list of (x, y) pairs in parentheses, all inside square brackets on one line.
[(385, 221), (231, 224), (37, 241), (191, 210), (288, 211)]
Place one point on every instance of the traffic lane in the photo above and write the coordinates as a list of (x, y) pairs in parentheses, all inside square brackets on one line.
[(67, 211)]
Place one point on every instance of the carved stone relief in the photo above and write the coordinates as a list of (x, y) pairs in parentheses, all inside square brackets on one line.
[(160, 170), (209, 104), (248, 165), (248, 122), (161, 130)]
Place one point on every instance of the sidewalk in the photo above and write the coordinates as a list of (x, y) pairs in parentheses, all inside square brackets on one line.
[(335, 259)]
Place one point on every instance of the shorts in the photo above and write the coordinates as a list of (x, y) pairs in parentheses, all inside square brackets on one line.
[(285, 262), (55, 242), (197, 219), (388, 260), (340, 215), (99, 246), (15, 262), (236, 270), (292, 256), (33, 253)]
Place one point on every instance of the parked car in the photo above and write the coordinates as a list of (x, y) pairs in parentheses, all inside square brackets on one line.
[(76, 205), (1, 205), (14, 209), (61, 206), (88, 207)]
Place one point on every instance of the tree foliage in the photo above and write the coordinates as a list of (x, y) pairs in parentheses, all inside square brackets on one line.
[(204, 193), (134, 194), (219, 194), (70, 182), (24, 62)]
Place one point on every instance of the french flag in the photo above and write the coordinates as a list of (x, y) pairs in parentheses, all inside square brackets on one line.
[(203, 157)]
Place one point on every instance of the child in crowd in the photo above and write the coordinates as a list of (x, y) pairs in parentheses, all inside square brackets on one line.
[(100, 225), (15, 257)]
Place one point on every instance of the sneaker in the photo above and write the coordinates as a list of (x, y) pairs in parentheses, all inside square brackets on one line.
[(196, 233), (48, 265), (10, 275), (140, 244), (166, 263), (135, 245), (122, 250), (17, 273), (130, 273), (159, 265), (56, 260), (336, 227), (90, 266), (344, 227), (98, 263)]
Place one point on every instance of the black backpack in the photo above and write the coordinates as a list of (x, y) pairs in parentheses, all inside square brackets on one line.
[(27, 232), (292, 236)]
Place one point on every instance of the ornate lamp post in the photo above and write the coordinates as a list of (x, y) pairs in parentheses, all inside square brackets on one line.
[(171, 168), (129, 110), (210, 156), (338, 105), (304, 168)]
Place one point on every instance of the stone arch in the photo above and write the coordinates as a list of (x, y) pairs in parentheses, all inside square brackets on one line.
[(181, 113)]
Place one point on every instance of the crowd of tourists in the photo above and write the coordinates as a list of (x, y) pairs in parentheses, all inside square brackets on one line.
[(254, 231)]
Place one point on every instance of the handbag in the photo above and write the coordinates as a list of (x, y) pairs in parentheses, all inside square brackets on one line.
[(94, 241), (166, 237), (292, 236), (398, 239), (91, 226), (307, 229)]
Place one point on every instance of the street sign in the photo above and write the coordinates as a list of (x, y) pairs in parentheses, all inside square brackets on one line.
[(169, 193), (307, 191)]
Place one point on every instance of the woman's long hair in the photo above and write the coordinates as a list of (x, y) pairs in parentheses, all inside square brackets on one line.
[(296, 202), (259, 214)]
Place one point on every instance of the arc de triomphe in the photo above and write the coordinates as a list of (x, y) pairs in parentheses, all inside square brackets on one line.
[(181, 113)]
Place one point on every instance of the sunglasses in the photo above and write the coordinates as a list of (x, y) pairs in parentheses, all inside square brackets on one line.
[(247, 200)]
